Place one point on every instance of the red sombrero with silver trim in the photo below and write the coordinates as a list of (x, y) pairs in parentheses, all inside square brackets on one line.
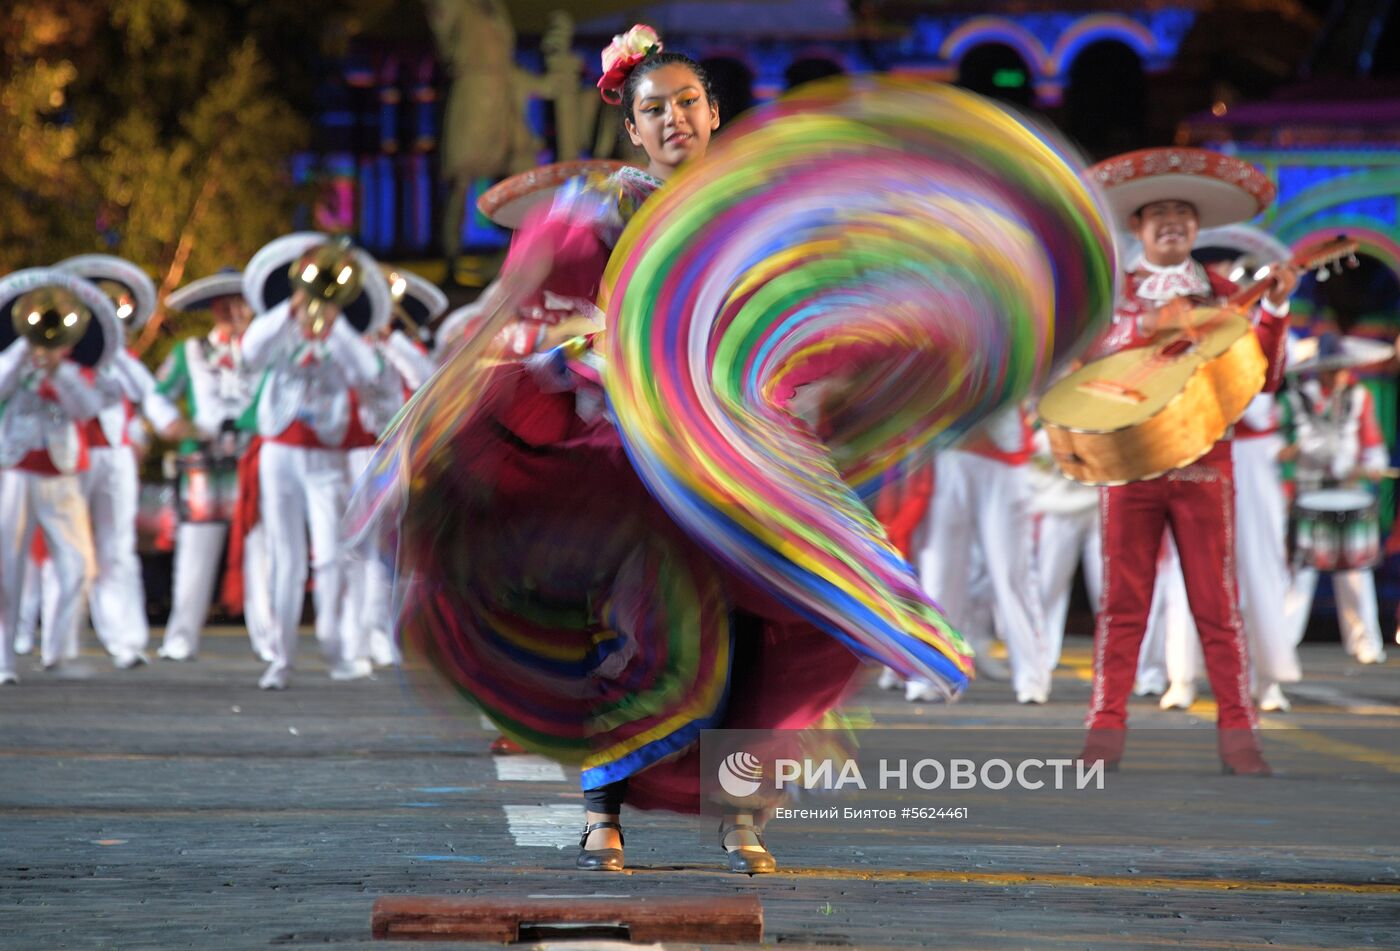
[(1224, 190), (508, 202)]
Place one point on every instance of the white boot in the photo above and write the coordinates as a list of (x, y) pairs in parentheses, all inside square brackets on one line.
[(127, 659), (358, 669), (921, 691), (174, 650), (1370, 654), (889, 680), (1272, 700), (382, 650), (1150, 684), (1179, 696), (275, 677)]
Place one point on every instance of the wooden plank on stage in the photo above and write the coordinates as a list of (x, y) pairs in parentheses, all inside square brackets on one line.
[(713, 920)]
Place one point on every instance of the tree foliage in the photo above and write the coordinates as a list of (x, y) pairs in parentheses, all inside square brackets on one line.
[(159, 130)]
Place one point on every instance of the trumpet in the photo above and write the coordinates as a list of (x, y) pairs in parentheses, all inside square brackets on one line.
[(398, 289), (51, 319), (328, 279), (121, 297)]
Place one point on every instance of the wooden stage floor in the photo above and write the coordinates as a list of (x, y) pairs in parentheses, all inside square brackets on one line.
[(177, 806)]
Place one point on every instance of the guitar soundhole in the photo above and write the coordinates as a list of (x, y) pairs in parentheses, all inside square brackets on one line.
[(1177, 347)]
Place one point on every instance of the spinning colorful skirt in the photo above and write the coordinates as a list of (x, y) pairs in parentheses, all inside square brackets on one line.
[(658, 528)]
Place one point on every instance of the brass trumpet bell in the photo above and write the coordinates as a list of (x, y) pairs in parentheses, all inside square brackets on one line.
[(329, 276), (50, 318)]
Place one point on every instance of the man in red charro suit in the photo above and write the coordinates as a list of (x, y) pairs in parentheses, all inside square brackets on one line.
[(1163, 196)]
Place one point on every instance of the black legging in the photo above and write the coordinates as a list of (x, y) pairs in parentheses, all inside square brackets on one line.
[(607, 798)]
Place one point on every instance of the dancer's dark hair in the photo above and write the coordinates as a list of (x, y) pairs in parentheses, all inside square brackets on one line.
[(656, 61)]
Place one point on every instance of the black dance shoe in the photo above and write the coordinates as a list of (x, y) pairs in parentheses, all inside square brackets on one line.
[(600, 860), (747, 861)]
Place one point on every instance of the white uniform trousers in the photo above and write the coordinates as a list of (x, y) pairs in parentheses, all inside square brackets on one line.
[(258, 614), (368, 626), (54, 505), (198, 548), (1357, 613), (982, 502), (980, 628), (118, 596), (1261, 561), (31, 607), (38, 607), (303, 489), (1064, 540)]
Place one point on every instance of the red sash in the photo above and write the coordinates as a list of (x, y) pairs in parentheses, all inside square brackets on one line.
[(245, 519)]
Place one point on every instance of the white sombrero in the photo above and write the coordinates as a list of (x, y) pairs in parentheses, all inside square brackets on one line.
[(267, 281), (104, 335), (201, 294), (1244, 240), (1336, 352), (1252, 250), (109, 267), (1223, 189)]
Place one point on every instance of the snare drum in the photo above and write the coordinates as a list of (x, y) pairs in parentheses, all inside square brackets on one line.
[(208, 487), (1336, 530), (155, 517)]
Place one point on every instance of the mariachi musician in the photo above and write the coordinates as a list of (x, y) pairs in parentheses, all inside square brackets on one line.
[(316, 300), (208, 372), (112, 482), (1163, 197), (1336, 443), (55, 325), (401, 347)]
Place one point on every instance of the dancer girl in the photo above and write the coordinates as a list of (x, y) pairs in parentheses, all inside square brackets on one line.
[(548, 584)]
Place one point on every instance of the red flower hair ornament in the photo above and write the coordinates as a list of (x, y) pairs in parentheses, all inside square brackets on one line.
[(622, 55)]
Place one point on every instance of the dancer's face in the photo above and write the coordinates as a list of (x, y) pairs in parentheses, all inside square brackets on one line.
[(673, 118), (1167, 230)]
